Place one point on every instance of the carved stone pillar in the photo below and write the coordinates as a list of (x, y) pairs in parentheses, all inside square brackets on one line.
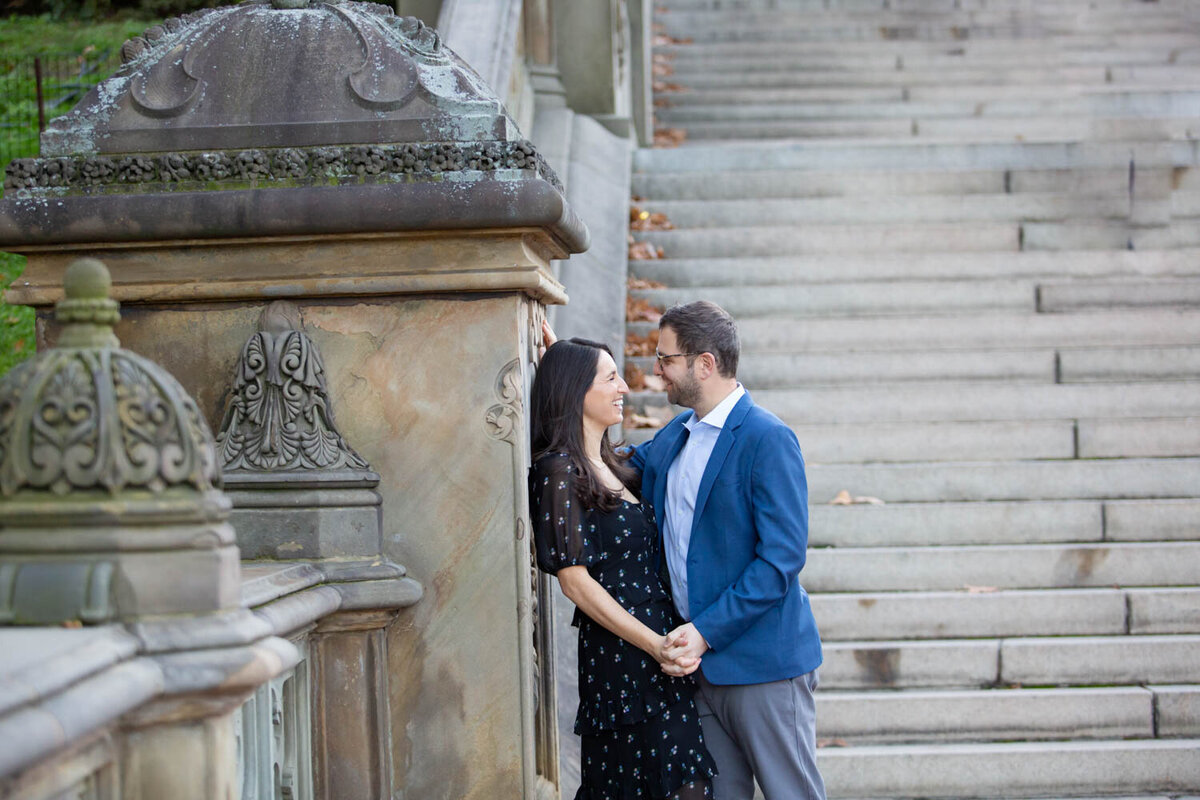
[(395, 204), (301, 492), (111, 513), (594, 49)]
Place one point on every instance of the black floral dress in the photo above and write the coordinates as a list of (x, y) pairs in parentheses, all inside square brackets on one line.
[(639, 727)]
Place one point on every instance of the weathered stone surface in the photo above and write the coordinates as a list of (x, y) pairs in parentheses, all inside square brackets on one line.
[(1178, 710), (994, 714), (424, 428), (253, 75)]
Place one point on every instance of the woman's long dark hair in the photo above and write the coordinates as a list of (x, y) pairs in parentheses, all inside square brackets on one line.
[(563, 379)]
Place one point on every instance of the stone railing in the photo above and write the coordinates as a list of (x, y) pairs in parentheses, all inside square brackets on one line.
[(139, 669)]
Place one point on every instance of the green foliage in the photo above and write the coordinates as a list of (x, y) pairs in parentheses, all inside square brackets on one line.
[(21, 38), (16, 322)]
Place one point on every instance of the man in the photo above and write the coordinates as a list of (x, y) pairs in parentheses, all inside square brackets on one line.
[(727, 480)]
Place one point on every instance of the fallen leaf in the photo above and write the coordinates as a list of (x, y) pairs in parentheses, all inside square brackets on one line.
[(669, 137), (641, 345), (653, 416), (832, 743), (654, 383), (643, 251), (72, 623), (639, 309), (643, 283), (844, 498), (635, 377), (663, 38), (641, 220), (667, 86), (979, 589)]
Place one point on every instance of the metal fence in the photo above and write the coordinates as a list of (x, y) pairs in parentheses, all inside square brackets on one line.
[(36, 89)]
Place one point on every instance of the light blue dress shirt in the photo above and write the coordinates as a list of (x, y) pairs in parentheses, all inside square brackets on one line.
[(683, 485)]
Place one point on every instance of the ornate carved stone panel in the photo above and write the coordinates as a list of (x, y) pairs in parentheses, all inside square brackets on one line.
[(280, 416)]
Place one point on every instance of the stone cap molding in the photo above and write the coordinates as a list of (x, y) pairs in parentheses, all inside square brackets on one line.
[(60, 685), (260, 75), (508, 199), (359, 265)]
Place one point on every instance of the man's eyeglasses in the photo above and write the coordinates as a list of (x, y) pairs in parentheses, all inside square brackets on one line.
[(663, 359)]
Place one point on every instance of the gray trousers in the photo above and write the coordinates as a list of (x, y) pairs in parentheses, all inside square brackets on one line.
[(765, 731)]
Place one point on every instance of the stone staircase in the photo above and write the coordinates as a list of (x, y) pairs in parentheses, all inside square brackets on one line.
[(962, 239)]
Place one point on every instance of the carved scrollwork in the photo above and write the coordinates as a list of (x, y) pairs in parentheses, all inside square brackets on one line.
[(100, 419), (504, 418), (280, 416), (88, 415), (275, 167)]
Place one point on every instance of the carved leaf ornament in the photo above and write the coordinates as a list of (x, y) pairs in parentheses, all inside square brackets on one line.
[(280, 417), (88, 415)]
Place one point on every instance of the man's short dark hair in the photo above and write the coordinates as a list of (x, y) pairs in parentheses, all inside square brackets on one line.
[(704, 327)]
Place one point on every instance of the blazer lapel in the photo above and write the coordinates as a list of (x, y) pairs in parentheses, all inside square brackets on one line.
[(724, 443)]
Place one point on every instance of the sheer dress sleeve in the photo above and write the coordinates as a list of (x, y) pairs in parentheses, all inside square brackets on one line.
[(563, 534)]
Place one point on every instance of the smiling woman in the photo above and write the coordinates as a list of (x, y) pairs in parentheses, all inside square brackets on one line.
[(604, 403)]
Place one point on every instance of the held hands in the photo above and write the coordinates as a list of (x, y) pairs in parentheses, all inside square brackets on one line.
[(680, 650)]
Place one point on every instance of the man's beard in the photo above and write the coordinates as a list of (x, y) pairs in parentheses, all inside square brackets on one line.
[(685, 392)]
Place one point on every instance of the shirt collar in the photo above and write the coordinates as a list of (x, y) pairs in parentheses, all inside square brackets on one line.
[(720, 412)]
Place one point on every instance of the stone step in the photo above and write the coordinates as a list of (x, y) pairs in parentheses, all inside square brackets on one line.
[(919, 715), (919, 56), (1185, 204), (1012, 769), (1099, 44), (834, 238), (1156, 104), (980, 611), (1042, 365), (1075, 295), (1031, 661), (706, 274), (656, 187), (943, 402), (999, 207), (876, 297), (1090, 235), (966, 441), (925, 6), (786, 370), (997, 440), (1014, 522), (1086, 75), (682, 97), (899, 442), (885, 27), (1111, 438), (1122, 364), (995, 129), (913, 155), (1032, 566), (1131, 478)]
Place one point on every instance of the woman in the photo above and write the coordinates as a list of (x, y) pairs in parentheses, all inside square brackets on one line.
[(640, 731)]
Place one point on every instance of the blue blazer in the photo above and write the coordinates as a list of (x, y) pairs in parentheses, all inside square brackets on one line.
[(749, 536)]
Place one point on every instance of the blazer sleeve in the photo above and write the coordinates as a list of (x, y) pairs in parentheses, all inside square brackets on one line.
[(779, 498)]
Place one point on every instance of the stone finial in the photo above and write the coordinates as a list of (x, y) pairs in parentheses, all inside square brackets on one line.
[(88, 415), (86, 312), (109, 498)]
